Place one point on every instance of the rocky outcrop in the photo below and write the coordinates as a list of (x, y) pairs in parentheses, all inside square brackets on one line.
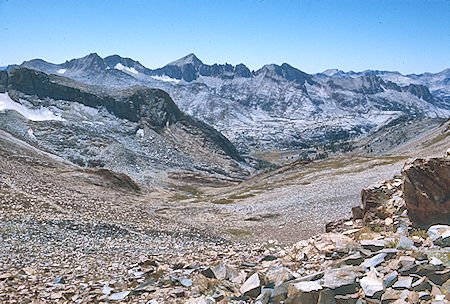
[(375, 195), (426, 190), (115, 180)]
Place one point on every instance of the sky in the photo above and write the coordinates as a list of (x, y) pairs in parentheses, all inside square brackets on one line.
[(312, 35)]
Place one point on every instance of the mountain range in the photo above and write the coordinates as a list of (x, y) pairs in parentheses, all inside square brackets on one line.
[(277, 107)]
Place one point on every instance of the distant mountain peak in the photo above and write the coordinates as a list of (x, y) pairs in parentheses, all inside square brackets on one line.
[(188, 59), (332, 72), (93, 56)]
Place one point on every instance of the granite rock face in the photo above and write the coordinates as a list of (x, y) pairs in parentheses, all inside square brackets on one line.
[(426, 190)]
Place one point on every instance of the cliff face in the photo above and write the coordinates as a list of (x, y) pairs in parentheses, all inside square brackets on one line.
[(134, 103)]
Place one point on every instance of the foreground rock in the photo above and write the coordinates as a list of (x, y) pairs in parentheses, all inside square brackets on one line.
[(426, 190)]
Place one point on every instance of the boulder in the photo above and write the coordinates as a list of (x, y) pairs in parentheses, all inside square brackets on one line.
[(252, 287), (426, 190), (278, 274), (403, 283), (303, 292), (341, 280), (335, 242), (440, 234), (374, 261)]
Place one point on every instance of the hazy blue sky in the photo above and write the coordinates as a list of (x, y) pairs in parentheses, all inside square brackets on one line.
[(312, 35)]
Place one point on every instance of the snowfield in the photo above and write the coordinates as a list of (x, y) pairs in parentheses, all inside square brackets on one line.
[(126, 69), (40, 114)]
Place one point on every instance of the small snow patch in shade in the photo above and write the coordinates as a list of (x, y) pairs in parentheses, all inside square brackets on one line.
[(61, 71), (140, 133), (41, 114), (123, 68)]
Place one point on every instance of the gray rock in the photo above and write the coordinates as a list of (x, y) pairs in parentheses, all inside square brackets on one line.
[(107, 290), (407, 263), (424, 295), (220, 271), (59, 280), (390, 279), (435, 261), (347, 299), (307, 286), (341, 280), (421, 284), (252, 287), (403, 283), (278, 274), (265, 296), (280, 292), (207, 272), (373, 245), (374, 261), (390, 295), (433, 230), (354, 259), (405, 243), (119, 296), (186, 282), (371, 285), (326, 296), (442, 236)]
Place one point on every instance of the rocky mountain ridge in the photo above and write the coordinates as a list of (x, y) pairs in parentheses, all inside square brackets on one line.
[(277, 107), (136, 130)]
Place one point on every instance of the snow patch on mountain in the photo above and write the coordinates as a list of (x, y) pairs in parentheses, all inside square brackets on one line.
[(126, 69), (40, 114), (165, 78), (61, 71)]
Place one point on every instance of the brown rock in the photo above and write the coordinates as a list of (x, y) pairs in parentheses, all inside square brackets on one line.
[(426, 190), (357, 212), (303, 293), (376, 194)]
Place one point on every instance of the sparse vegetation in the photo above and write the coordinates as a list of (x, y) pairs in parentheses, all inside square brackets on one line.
[(222, 201), (239, 232)]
